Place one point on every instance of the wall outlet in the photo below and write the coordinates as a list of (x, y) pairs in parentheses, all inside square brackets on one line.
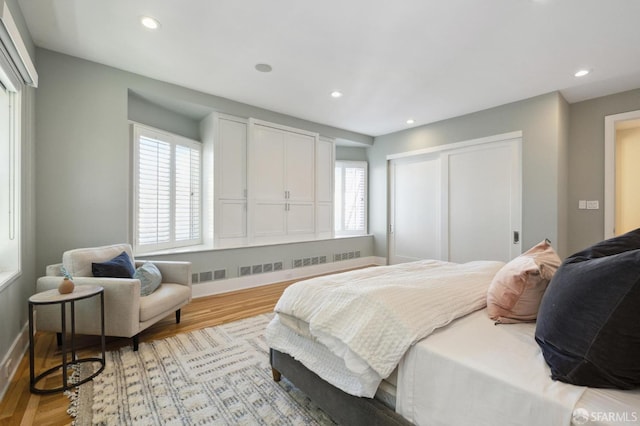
[(593, 205)]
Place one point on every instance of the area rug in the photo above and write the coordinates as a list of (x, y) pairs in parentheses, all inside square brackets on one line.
[(214, 376)]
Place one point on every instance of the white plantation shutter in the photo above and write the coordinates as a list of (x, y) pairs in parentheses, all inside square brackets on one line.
[(187, 206), (167, 190), (351, 197)]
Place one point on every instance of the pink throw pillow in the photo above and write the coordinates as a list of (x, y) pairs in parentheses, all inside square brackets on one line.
[(517, 289)]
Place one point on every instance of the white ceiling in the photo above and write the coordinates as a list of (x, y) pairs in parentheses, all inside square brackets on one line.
[(393, 60)]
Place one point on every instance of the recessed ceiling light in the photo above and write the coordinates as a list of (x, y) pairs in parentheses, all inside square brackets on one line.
[(410, 121), (263, 67), (150, 22), (582, 73), (336, 94)]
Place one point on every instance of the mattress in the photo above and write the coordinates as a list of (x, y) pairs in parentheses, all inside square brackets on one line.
[(601, 407), (475, 372)]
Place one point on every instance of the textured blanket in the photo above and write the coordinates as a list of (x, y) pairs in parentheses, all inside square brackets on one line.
[(370, 317)]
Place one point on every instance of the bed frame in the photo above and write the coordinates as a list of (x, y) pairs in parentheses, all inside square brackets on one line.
[(342, 407)]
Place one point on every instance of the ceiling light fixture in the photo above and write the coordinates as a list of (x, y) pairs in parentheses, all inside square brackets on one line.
[(410, 121), (263, 67), (582, 73), (150, 22), (336, 94)]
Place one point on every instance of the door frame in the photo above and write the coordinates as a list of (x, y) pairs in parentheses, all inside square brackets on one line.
[(610, 122)]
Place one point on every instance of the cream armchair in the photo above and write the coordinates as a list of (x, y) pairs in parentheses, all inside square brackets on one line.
[(126, 312)]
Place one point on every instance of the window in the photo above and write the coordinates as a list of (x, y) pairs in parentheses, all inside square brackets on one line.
[(351, 198), (167, 195), (9, 185)]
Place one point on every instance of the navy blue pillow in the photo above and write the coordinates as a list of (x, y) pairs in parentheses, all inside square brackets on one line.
[(120, 266), (589, 319)]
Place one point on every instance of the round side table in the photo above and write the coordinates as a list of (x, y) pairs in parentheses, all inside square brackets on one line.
[(51, 297)]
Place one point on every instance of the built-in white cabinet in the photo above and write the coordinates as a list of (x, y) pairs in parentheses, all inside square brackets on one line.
[(282, 176), (270, 183), (325, 171), (230, 179)]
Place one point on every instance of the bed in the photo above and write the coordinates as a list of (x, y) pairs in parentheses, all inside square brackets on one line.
[(413, 344)]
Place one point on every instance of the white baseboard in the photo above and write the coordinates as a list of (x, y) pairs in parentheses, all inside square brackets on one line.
[(12, 360), (209, 288)]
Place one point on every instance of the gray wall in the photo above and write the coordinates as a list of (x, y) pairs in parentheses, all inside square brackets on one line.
[(84, 160), (544, 138), (586, 163), (13, 297), (348, 153), (143, 111)]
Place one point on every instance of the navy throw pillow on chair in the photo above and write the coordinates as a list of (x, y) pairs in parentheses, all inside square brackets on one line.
[(120, 266), (588, 324)]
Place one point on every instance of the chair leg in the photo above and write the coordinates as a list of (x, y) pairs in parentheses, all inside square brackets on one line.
[(59, 339), (178, 316), (136, 341)]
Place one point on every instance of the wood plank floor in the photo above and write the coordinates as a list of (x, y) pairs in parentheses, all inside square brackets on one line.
[(20, 407)]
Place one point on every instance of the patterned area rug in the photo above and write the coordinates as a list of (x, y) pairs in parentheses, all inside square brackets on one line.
[(214, 376)]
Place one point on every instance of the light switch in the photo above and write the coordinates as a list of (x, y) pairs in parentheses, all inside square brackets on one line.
[(593, 205), (582, 204)]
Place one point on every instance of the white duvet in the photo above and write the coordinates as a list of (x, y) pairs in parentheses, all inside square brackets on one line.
[(367, 319)]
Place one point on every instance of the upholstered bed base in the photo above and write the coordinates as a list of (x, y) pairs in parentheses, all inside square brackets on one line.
[(340, 406)]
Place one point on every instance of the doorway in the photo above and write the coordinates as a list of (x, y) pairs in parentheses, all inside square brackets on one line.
[(622, 154)]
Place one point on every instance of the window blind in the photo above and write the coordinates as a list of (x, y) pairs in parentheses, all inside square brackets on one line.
[(168, 190), (350, 197)]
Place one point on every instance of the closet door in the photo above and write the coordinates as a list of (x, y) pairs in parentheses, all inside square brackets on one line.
[(484, 202), (415, 223), (459, 204)]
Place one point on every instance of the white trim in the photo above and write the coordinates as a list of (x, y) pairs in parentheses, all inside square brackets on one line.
[(255, 121), (209, 288), (610, 168), (13, 358), (457, 145)]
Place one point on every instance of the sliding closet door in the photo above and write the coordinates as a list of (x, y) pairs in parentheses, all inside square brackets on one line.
[(459, 204), (483, 202), (415, 190)]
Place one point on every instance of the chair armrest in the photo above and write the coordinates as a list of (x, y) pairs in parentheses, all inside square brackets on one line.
[(177, 272)]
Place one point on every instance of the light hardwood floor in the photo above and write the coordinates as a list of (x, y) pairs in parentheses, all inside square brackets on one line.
[(20, 407)]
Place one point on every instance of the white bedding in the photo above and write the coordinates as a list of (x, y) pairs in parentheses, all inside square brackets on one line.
[(476, 373), (368, 318)]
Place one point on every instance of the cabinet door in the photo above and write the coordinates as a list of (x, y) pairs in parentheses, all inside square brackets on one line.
[(300, 218), (269, 219), (267, 163), (324, 220), (232, 218), (231, 159), (300, 166), (325, 170)]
